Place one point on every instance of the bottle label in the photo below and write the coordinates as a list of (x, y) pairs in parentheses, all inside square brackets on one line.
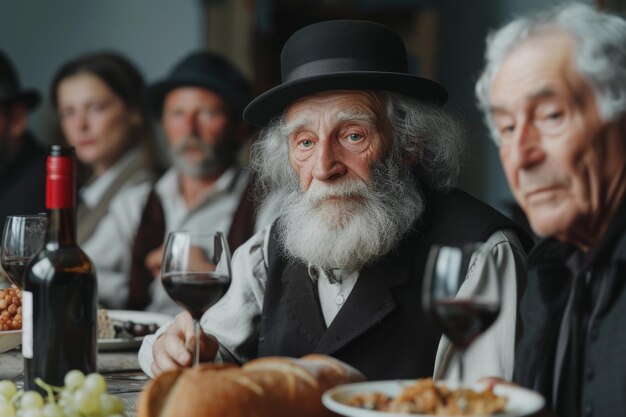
[(27, 324), (60, 192)]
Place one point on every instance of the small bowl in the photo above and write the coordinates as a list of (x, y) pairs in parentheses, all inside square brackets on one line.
[(10, 339)]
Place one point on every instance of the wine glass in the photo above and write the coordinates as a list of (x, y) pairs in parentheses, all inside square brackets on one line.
[(462, 314), (196, 272), (22, 238)]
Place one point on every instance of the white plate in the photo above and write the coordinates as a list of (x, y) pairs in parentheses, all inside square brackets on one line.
[(10, 339), (520, 402), (137, 317)]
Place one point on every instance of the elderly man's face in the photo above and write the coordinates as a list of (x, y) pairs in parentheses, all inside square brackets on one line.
[(196, 123), (560, 158), (336, 137)]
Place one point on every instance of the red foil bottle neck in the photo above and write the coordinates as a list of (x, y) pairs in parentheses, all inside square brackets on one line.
[(60, 189)]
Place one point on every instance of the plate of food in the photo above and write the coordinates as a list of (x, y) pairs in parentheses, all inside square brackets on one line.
[(10, 318), (423, 397), (10, 339), (125, 329)]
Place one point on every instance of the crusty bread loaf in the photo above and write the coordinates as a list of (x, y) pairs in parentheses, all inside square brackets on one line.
[(266, 387)]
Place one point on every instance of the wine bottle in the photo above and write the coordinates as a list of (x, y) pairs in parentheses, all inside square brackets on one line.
[(60, 291)]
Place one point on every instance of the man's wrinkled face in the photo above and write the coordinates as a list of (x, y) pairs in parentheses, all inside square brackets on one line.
[(355, 200), (197, 123), (336, 137), (558, 154)]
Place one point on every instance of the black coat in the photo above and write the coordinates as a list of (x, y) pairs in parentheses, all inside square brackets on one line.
[(23, 181), (603, 370)]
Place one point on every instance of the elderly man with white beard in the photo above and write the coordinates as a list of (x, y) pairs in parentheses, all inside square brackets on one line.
[(365, 159)]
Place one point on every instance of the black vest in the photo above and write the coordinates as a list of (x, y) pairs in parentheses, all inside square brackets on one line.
[(381, 329)]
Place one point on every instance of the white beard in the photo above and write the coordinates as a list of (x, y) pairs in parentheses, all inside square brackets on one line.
[(360, 224)]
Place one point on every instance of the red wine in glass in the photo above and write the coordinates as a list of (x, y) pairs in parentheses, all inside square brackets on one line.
[(15, 266), (196, 272), (461, 314), (464, 320), (22, 238), (196, 291)]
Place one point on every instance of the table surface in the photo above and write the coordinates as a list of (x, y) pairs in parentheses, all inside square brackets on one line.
[(120, 369)]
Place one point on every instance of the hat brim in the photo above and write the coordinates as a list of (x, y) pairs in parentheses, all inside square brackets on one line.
[(30, 98), (156, 93), (272, 102)]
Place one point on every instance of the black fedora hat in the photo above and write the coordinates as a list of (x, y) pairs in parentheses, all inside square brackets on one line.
[(207, 70), (342, 55), (10, 91)]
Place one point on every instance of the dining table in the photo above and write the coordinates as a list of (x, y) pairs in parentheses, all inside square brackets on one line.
[(120, 369)]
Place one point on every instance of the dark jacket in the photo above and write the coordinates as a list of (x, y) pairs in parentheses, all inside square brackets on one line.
[(23, 181), (603, 367)]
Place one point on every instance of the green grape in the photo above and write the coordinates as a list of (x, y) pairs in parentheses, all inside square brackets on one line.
[(66, 397), (81, 396), (86, 402), (95, 383), (31, 399), (52, 410), (110, 404), (7, 410), (70, 412), (74, 379), (32, 412), (7, 389)]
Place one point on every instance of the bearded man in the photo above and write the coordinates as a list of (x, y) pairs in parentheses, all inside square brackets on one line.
[(199, 106), (364, 158)]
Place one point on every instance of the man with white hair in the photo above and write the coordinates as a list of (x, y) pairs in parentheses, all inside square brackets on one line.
[(365, 159), (554, 93)]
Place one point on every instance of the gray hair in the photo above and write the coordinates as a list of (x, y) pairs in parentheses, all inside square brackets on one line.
[(424, 131), (600, 54)]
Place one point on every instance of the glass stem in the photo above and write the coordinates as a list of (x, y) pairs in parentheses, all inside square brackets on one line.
[(461, 368), (196, 329), (462, 401)]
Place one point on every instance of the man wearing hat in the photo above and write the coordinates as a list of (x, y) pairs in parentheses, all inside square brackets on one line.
[(22, 159), (199, 106), (365, 158)]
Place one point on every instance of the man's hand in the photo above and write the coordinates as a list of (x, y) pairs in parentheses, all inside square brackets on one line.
[(175, 347), (153, 261)]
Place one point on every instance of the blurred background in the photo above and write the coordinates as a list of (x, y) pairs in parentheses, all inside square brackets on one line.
[(444, 38)]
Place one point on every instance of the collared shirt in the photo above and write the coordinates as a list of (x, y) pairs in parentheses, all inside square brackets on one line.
[(113, 254), (234, 319), (333, 289)]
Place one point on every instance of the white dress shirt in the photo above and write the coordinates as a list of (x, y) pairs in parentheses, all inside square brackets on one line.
[(98, 246), (234, 319)]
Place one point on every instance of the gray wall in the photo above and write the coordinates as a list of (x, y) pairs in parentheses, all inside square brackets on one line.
[(39, 35)]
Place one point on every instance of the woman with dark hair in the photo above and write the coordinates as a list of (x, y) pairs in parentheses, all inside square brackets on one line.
[(99, 100)]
